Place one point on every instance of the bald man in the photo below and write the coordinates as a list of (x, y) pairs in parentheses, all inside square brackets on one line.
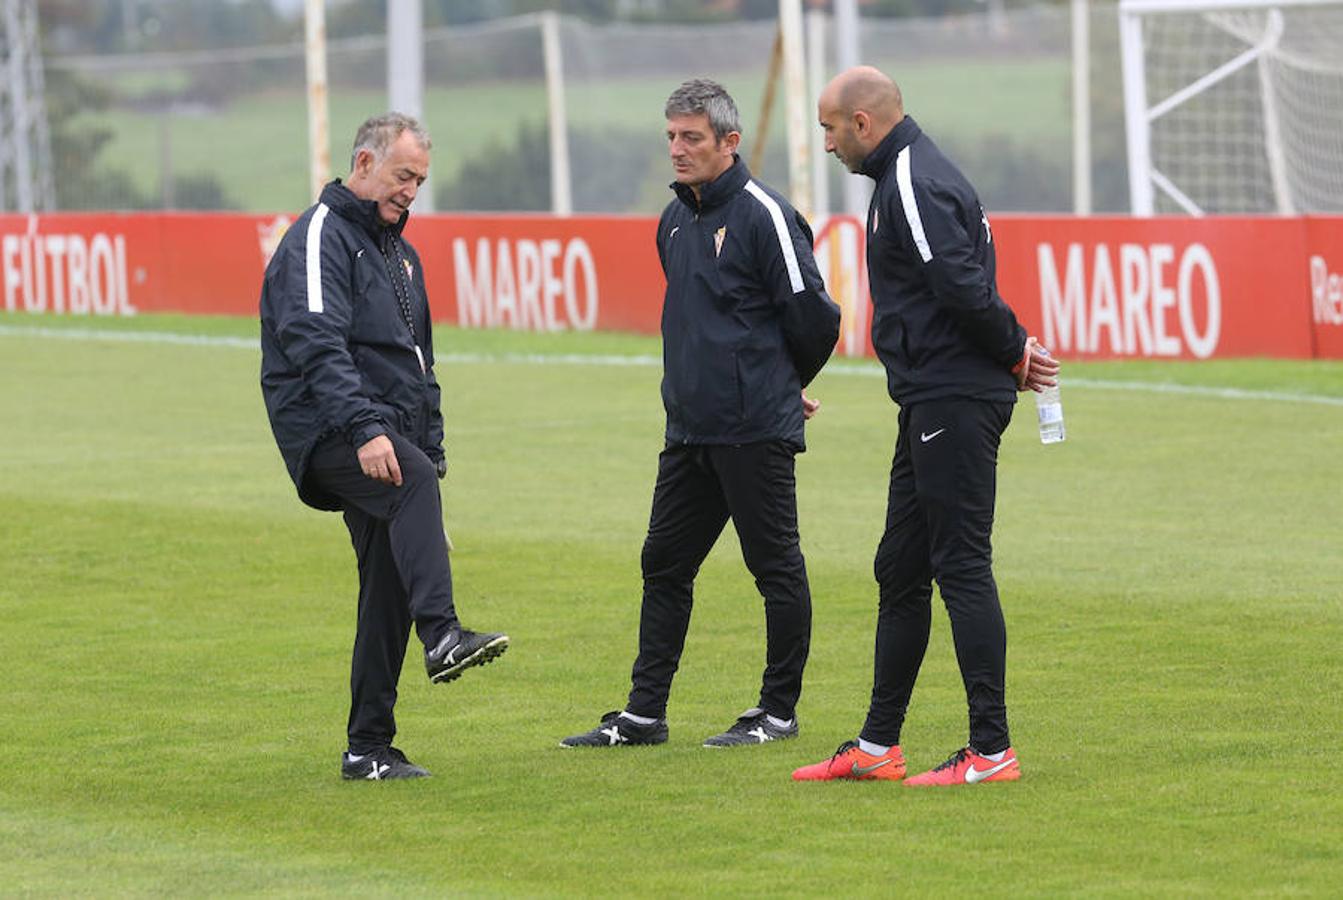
[(955, 357)]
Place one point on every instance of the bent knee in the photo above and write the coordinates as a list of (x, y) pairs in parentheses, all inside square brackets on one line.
[(416, 468)]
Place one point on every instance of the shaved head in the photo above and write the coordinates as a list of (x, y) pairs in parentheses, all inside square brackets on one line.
[(857, 109), (868, 90)]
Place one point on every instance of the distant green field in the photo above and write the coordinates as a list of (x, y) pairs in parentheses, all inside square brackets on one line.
[(257, 145), (175, 631)]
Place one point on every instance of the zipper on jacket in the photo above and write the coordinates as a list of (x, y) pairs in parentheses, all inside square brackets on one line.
[(396, 271)]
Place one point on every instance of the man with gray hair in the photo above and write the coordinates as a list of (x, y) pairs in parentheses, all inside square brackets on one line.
[(347, 372), (746, 324)]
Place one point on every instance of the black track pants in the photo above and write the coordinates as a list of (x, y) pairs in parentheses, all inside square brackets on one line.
[(698, 489), (404, 574), (939, 522)]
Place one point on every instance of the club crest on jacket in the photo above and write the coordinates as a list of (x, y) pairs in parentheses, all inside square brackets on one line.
[(718, 241)]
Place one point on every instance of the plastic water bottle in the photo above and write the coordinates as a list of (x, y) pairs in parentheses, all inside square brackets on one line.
[(1049, 407)]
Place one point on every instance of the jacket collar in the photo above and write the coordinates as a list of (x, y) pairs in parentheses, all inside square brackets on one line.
[(718, 191), (362, 212), (901, 136)]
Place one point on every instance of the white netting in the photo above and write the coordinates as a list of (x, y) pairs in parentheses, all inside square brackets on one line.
[(227, 127), (1216, 147), (994, 93)]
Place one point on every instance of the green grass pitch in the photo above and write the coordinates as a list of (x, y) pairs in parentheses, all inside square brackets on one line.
[(175, 631)]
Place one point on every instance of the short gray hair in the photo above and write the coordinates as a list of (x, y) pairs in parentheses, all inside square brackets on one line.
[(380, 132), (702, 96)]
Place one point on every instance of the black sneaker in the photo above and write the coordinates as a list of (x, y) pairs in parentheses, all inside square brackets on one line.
[(460, 650), (379, 765), (616, 730), (752, 727)]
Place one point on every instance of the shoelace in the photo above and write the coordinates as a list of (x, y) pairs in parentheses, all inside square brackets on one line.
[(956, 758), (844, 748)]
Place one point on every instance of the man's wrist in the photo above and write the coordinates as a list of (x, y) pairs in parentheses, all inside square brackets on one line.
[(1022, 370), (1024, 362), (362, 434)]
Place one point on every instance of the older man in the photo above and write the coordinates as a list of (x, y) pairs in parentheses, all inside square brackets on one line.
[(955, 358), (347, 371)]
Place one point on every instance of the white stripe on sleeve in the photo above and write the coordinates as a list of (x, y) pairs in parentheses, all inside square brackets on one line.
[(906, 184), (780, 229), (314, 257)]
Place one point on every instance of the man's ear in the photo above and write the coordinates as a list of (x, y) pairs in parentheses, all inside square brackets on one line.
[(862, 123), (732, 140), (363, 162)]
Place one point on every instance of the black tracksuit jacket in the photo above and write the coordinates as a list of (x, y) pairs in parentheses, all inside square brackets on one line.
[(938, 325), (337, 352), (746, 322)]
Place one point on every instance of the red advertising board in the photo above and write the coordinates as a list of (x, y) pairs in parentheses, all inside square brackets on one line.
[(1096, 288), (1324, 250), (527, 272), (541, 273), (77, 264), (1179, 288)]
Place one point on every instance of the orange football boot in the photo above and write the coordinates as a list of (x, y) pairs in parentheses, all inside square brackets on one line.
[(850, 763), (968, 767)]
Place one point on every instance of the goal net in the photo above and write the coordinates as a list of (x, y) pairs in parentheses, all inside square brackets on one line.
[(1234, 106)]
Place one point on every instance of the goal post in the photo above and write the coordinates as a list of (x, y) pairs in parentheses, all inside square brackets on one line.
[(1233, 106)]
